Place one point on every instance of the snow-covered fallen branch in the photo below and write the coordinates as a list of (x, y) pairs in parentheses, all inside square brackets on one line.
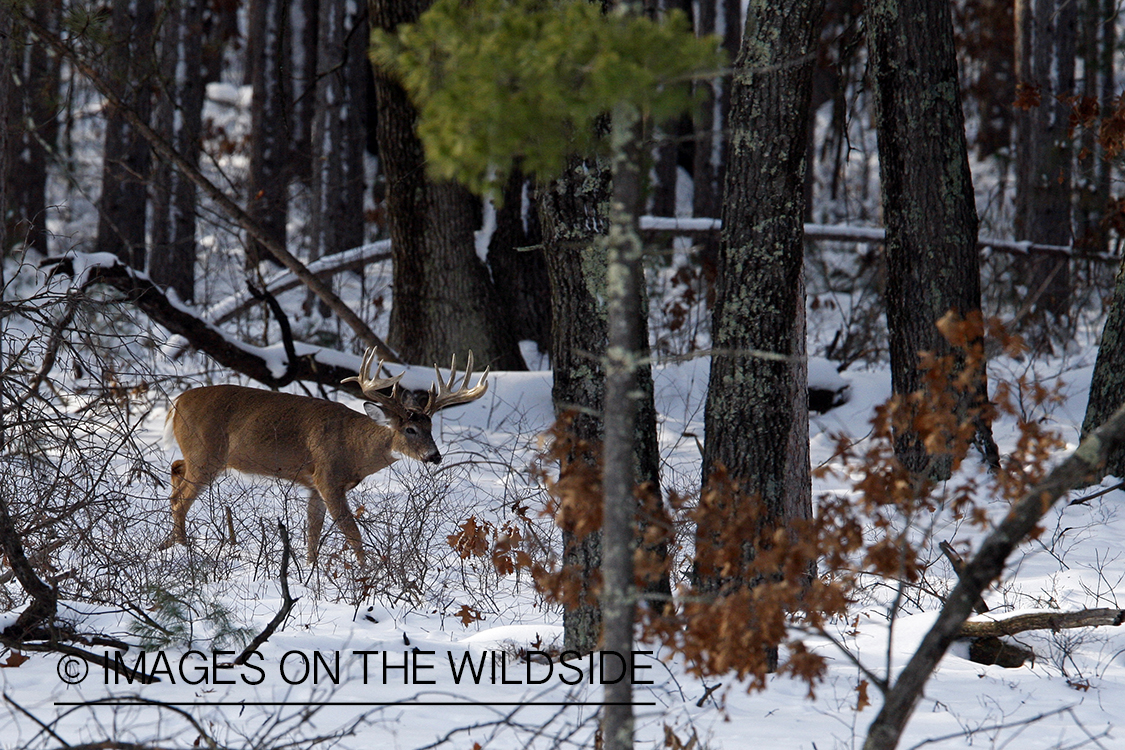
[(1084, 618), (846, 233), (267, 365)]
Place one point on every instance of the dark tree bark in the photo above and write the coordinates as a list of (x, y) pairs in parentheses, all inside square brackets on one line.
[(928, 204), (34, 104), (518, 265), (1099, 39), (757, 404), (121, 218), (270, 150), (711, 116), (444, 300), (220, 28), (674, 147), (339, 128), (1107, 386), (304, 67), (986, 35), (572, 216), (8, 136), (179, 119), (1046, 33)]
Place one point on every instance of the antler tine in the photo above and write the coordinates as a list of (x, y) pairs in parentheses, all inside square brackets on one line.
[(444, 396), (370, 386)]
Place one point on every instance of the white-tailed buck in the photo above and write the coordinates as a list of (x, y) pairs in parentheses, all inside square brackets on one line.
[(318, 444)]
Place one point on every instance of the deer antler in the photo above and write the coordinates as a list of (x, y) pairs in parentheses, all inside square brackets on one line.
[(445, 397), (373, 387)]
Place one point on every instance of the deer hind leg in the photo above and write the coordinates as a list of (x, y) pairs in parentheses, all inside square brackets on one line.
[(316, 525), (336, 501), (188, 481)]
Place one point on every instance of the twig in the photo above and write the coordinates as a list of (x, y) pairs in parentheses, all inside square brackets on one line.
[(287, 601)]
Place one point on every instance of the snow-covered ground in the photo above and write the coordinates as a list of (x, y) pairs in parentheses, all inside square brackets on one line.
[(337, 665)]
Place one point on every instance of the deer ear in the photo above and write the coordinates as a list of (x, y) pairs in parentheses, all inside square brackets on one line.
[(375, 412)]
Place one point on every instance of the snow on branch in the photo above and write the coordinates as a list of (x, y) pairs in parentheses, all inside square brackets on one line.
[(268, 366), (846, 233)]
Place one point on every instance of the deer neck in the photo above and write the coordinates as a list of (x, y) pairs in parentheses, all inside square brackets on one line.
[(378, 444)]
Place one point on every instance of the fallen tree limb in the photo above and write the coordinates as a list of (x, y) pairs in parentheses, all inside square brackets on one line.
[(651, 226), (330, 265), (1085, 618), (251, 361)]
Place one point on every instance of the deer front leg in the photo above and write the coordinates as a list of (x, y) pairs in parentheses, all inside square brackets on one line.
[(335, 500), (316, 525)]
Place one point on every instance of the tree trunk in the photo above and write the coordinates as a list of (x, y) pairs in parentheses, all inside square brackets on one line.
[(1093, 179), (1045, 53), (339, 128), (444, 300), (1107, 386), (126, 158), (756, 418), (928, 202), (9, 64), (572, 215), (304, 71), (270, 150), (518, 265), (35, 104), (723, 17), (626, 354), (179, 119)]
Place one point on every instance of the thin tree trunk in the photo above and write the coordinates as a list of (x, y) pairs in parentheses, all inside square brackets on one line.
[(518, 265), (928, 201), (723, 17), (126, 160), (179, 119), (1045, 53), (270, 148), (339, 128), (304, 69), (1097, 30), (627, 347), (35, 103)]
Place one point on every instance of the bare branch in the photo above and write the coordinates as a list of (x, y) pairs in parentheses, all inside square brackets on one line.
[(287, 601)]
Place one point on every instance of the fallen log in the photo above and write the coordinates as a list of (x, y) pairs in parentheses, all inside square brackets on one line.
[(1085, 618)]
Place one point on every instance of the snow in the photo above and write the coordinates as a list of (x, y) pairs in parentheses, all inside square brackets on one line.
[(428, 675)]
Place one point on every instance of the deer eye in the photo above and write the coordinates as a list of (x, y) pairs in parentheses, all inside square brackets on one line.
[(411, 431)]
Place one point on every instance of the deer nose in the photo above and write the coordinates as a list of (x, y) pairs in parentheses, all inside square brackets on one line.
[(434, 458)]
